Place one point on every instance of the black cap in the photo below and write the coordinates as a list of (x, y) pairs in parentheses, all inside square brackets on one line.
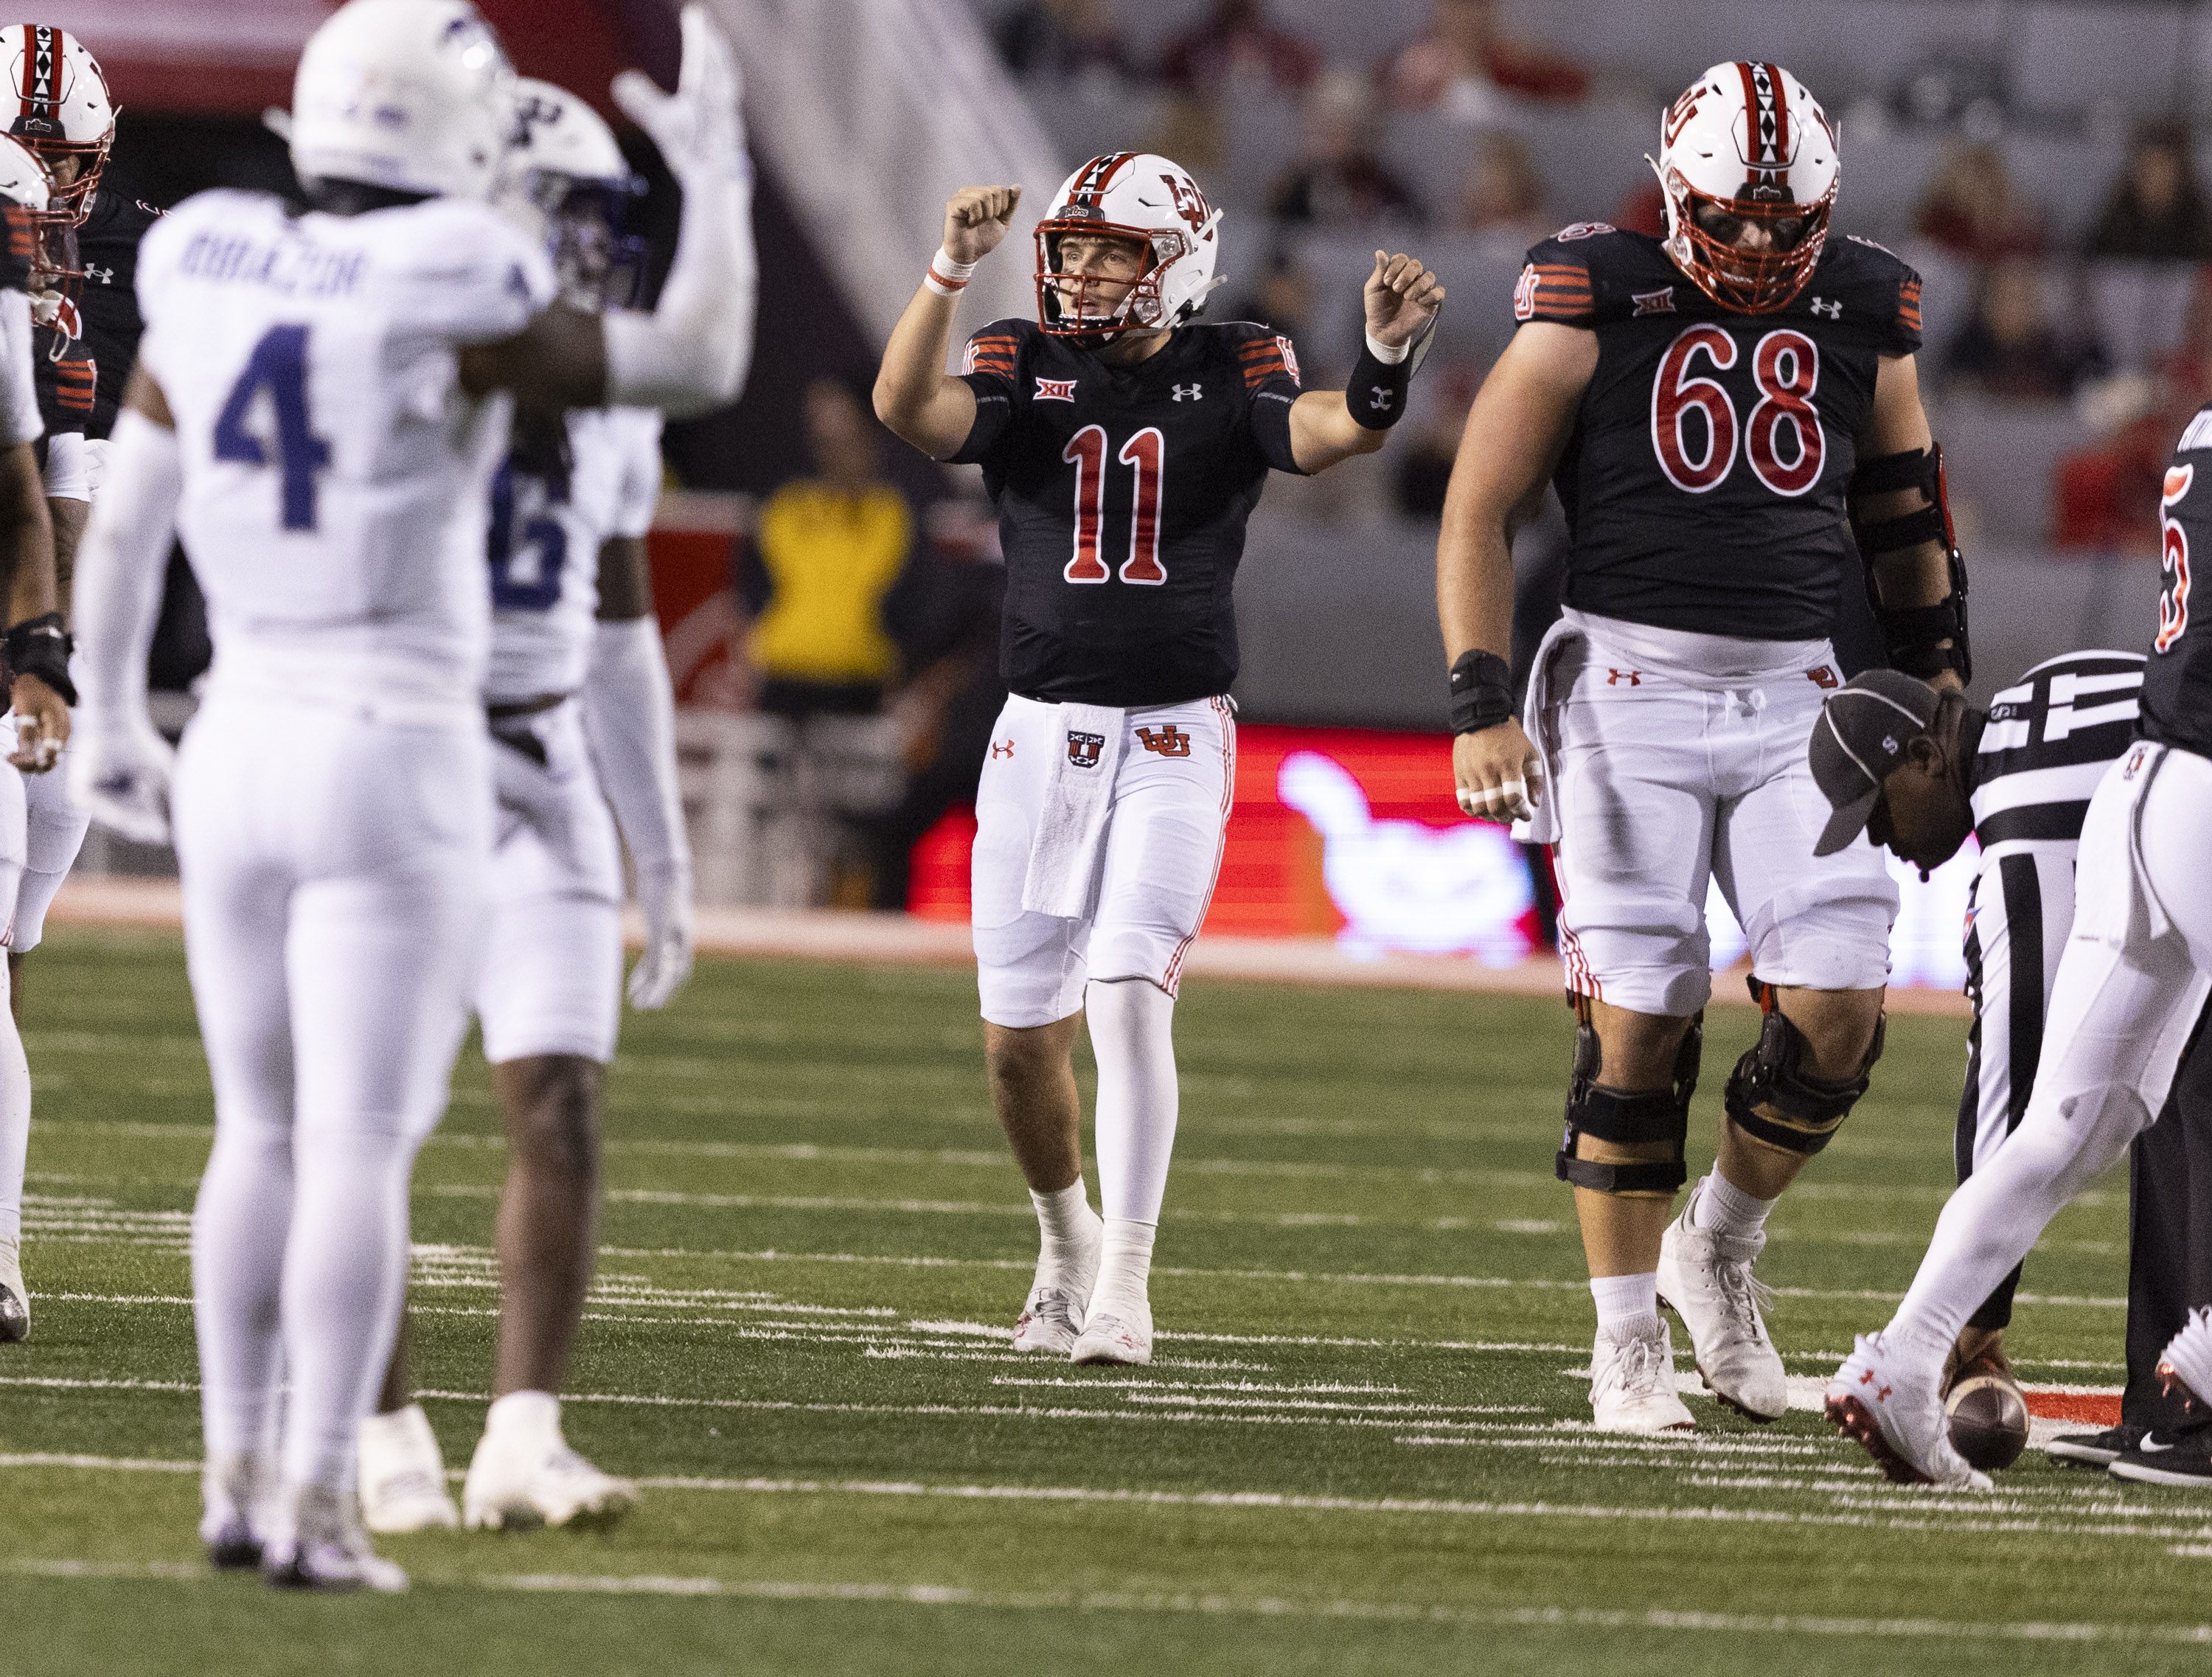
[(1860, 740)]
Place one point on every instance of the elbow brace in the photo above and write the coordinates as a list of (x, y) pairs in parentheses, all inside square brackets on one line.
[(691, 353), (1913, 634), (629, 717), (122, 563)]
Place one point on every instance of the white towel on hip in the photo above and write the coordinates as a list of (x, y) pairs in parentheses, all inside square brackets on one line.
[(1071, 825), (1558, 661)]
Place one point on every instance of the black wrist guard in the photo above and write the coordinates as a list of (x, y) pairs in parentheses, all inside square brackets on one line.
[(1913, 634), (1481, 692), (1376, 394), (40, 646)]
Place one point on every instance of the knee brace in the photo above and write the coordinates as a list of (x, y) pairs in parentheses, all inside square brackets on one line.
[(1807, 1108), (1612, 1114)]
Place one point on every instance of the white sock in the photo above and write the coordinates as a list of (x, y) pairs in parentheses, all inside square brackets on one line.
[(240, 1223), (1132, 1034), (1124, 1264), (1725, 1209), (345, 1273), (15, 1113), (1627, 1302), (525, 1412), (1068, 1229)]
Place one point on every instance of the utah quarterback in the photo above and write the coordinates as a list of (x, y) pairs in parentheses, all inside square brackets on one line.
[(1709, 406), (1126, 444)]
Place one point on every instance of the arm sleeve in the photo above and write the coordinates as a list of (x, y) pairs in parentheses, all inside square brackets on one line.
[(122, 563), (1269, 363), (629, 717), (640, 496), (691, 353), (990, 366), (1555, 285)]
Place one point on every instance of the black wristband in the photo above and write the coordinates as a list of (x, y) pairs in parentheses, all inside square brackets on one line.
[(40, 646), (1376, 394), (1481, 692)]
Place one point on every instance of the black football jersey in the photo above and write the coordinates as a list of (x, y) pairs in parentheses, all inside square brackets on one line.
[(2176, 689), (1122, 496), (1703, 481), (83, 362)]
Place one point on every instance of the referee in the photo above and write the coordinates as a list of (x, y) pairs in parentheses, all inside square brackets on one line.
[(1919, 770)]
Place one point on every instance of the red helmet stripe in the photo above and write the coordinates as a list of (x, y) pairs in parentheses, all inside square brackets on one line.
[(32, 48)]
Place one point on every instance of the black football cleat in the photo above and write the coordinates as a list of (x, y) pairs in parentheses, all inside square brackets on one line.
[(2183, 1459), (15, 1317), (2096, 1450)]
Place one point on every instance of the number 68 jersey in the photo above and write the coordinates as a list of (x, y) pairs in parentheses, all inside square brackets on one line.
[(335, 472), (1704, 480)]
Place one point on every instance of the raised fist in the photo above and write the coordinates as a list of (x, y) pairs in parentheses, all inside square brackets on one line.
[(976, 218), (1402, 296)]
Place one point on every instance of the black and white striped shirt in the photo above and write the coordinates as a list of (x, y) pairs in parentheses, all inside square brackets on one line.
[(2049, 740)]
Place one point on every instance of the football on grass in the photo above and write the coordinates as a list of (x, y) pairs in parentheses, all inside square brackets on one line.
[(1989, 1421)]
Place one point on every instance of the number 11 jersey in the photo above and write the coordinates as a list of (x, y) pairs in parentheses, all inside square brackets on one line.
[(335, 472), (1704, 480)]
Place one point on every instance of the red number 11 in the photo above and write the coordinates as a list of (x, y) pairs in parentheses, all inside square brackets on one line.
[(1147, 452)]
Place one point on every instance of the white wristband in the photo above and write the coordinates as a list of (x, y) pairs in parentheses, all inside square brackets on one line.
[(946, 277), (1386, 354)]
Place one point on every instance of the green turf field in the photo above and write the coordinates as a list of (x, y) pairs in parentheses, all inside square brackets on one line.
[(1363, 1449)]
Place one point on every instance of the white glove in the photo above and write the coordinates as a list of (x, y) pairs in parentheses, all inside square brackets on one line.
[(698, 128), (665, 894), (119, 773)]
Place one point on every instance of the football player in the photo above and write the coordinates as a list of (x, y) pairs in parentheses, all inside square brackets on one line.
[(37, 659), (1126, 443), (1919, 771), (1707, 405), (55, 99), (2130, 990), (319, 409), (582, 712)]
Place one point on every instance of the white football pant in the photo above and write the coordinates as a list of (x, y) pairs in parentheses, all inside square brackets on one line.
[(333, 868), (14, 1072), (2130, 988)]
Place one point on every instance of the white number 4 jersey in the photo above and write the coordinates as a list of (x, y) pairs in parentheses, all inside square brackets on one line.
[(335, 474)]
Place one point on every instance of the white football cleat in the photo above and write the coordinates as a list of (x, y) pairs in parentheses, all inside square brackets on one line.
[(1705, 1277), (319, 1544), (1893, 1404), (403, 1476), (524, 1474), (1115, 1334), (15, 1297), (1051, 1319), (1632, 1383), (2185, 1367), (237, 1497)]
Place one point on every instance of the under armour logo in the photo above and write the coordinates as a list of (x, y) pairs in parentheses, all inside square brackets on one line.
[(1833, 311), (1002, 751), (1169, 741), (105, 275), (1614, 677), (1055, 389), (1194, 393), (1379, 399), (1083, 749)]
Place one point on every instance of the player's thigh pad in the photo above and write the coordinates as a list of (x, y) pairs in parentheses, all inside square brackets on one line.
[(551, 980), (1635, 815), (1030, 967), (54, 829), (1819, 921), (1171, 800)]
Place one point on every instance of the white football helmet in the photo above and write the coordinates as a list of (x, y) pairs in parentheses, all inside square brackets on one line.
[(1748, 141), (1129, 195), (22, 177), (411, 95), (55, 101), (565, 182)]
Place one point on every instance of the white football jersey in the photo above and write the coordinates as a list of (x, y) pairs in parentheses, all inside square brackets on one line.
[(335, 473), (544, 548)]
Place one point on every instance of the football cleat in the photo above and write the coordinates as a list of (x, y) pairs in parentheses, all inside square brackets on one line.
[(2093, 1449), (1893, 1407), (1051, 1319), (236, 1494), (2183, 1459), (2185, 1367), (1632, 1383), (1116, 1334), (403, 1476), (1706, 1279), (15, 1297), (321, 1546), (524, 1474)]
